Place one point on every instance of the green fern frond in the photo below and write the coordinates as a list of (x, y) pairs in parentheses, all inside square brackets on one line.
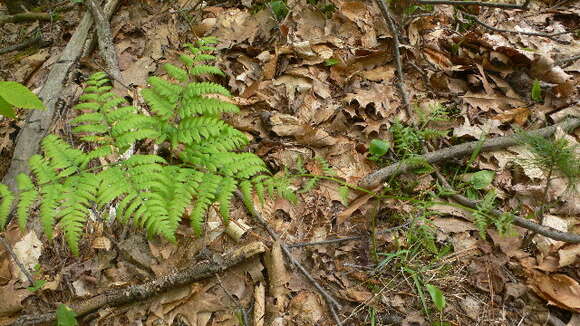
[(246, 190), (159, 104), (5, 205), (147, 190), (79, 194), (49, 206), (176, 72), (224, 198), (198, 105), (61, 154), (28, 194), (41, 170), (205, 70), (165, 88), (199, 89), (210, 184)]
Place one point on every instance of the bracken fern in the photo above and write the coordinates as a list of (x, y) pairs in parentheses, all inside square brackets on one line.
[(206, 164)]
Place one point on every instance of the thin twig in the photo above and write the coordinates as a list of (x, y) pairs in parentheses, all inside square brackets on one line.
[(330, 301), (500, 30), (391, 24), (332, 241), (17, 261), (523, 6), (37, 40), (374, 179), (519, 221), (567, 61)]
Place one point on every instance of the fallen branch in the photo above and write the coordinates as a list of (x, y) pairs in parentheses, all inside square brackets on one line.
[(25, 17), (106, 46), (495, 29), (339, 240), (374, 179), (519, 221), (523, 6), (330, 301), (23, 45), (134, 293)]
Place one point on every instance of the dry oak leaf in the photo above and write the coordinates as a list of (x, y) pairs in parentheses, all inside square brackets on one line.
[(558, 289), (378, 95)]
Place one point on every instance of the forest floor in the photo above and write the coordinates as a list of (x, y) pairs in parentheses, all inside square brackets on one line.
[(317, 83)]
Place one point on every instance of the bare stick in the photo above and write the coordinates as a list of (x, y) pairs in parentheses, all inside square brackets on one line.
[(330, 301), (391, 24), (524, 6), (131, 294), (17, 261), (567, 61), (37, 40), (332, 241), (519, 221), (374, 179), (495, 29), (24, 17)]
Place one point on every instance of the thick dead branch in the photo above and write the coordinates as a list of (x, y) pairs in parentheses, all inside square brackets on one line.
[(105, 39), (374, 179), (519, 221), (131, 294), (523, 6), (24, 17), (38, 121), (330, 301), (499, 30)]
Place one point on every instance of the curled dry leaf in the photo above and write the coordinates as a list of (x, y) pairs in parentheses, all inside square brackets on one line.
[(558, 289)]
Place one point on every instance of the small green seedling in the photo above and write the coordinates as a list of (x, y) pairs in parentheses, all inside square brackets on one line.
[(331, 62), (378, 148), (437, 296), (65, 316), (536, 92), (279, 9), (481, 179)]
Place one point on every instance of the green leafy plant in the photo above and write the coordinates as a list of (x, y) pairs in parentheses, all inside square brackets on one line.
[(65, 316), (279, 9), (437, 296), (378, 148), (536, 92), (554, 157), (481, 179), (331, 62), (13, 94), (206, 164), (483, 217)]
